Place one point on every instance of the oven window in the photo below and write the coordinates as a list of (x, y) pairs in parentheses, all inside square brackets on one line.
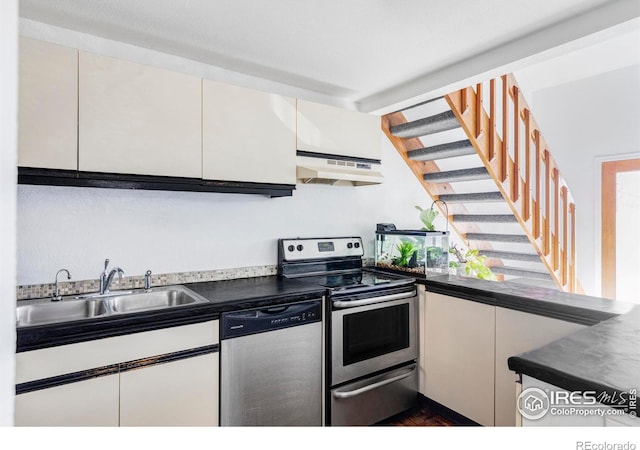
[(374, 333)]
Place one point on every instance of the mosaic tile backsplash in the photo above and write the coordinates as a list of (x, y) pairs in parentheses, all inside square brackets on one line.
[(32, 291)]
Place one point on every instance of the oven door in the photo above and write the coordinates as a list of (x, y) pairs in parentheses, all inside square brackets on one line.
[(373, 334)]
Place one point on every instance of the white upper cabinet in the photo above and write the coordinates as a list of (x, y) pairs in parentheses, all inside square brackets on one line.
[(336, 131), (138, 119), (248, 135), (48, 116)]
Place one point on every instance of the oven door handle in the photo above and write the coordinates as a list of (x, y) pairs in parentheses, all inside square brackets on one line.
[(372, 300), (370, 387)]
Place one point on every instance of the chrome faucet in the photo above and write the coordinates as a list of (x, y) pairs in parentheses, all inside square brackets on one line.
[(56, 297), (107, 278)]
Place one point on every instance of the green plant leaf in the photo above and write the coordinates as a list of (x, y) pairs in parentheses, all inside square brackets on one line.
[(428, 216)]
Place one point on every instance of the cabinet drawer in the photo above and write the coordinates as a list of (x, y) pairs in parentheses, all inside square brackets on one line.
[(49, 362)]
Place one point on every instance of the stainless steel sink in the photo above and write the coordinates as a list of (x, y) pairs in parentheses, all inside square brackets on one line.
[(44, 311), (64, 311), (156, 299)]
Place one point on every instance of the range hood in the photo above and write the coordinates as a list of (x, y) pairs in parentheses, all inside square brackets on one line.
[(339, 172)]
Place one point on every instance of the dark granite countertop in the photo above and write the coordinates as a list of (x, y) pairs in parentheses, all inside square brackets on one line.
[(228, 295), (604, 358), (575, 308)]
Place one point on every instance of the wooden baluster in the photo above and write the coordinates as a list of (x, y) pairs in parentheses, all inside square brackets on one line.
[(463, 100), (526, 204), (556, 216), (492, 119), (572, 267), (505, 128), (479, 96), (536, 210), (515, 180), (547, 199), (565, 239)]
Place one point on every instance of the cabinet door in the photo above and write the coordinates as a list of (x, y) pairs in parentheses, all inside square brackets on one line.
[(518, 332), (92, 402), (138, 119), (48, 116), (336, 131), (178, 393), (459, 351), (247, 135)]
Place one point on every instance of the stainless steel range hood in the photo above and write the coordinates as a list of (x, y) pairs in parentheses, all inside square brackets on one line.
[(337, 172)]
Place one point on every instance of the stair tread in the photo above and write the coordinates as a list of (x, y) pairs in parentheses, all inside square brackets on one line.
[(474, 173), (495, 196), (530, 273), (494, 218), (516, 238), (428, 125), (532, 257), (441, 151)]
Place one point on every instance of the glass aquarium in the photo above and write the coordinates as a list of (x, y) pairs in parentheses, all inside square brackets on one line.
[(413, 252)]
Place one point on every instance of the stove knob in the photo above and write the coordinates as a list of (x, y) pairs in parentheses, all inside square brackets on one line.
[(349, 245), (300, 247), (291, 248), (356, 244)]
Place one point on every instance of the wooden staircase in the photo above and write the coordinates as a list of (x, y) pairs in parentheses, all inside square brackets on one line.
[(481, 151)]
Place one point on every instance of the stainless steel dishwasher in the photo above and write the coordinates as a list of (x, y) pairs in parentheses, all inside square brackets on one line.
[(271, 366)]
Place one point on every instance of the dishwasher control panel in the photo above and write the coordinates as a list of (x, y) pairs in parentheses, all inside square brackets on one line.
[(252, 321)]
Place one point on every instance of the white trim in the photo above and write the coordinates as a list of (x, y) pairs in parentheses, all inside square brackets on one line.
[(8, 163), (597, 217)]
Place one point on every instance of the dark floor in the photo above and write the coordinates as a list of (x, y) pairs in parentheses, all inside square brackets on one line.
[(427, 414)]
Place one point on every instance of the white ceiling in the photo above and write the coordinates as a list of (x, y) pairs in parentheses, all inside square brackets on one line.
[(375, 54)]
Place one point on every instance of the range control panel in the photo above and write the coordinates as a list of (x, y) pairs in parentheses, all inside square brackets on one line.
[(303, 249)]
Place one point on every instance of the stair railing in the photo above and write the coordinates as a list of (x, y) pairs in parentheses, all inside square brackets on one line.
[(500, 125)]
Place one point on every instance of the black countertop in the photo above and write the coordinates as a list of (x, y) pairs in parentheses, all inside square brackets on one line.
[(574, 308), (222, 296), (604, 358)]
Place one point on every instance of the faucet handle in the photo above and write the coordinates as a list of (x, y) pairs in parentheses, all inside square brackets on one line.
[(106, 264), (147, 281)]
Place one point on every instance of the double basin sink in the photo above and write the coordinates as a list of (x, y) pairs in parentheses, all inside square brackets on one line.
[(44, 311)]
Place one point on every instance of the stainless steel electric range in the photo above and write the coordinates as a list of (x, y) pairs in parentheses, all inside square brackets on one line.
[(372, 329)]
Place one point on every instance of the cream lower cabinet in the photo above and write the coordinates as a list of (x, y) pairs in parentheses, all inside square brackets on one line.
[(459, 356), (92, 402), (138, 119), (248, 135), (48, 113), (464, 353), (177, 393), (165, 377), (336, 131), (518, 332)]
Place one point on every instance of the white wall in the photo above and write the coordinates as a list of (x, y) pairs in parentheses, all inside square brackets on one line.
[(76, 228), (582, 121), (8, 160)]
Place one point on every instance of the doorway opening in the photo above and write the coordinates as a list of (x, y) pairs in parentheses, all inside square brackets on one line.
[(620, 230)]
